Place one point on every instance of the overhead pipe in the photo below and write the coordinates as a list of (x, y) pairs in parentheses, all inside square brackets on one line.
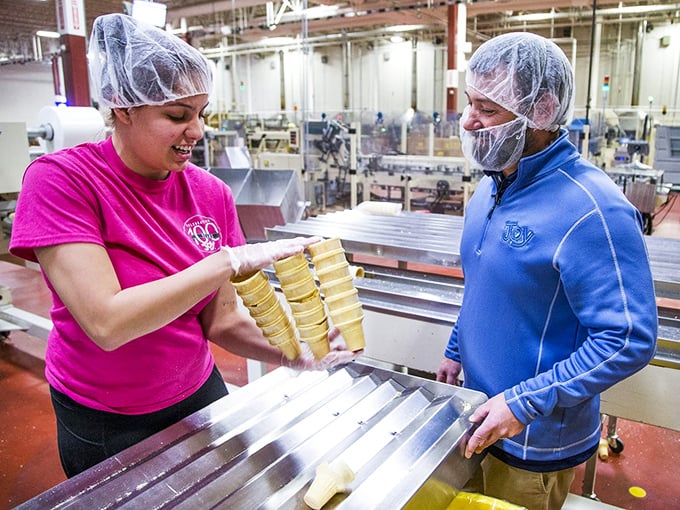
[(586, 127), (639, 43), (414, 73)]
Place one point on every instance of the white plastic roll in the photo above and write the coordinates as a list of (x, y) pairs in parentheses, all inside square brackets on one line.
[(70, 125)]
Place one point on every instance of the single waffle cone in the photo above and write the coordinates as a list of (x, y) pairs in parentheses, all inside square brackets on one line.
[(344, 284), (291, 263), (353, 334), (287, 342), (324, 246), (346, 314), (250, 280), (342, 300), (305, 304), (300, 290), (329, 274), (329, 258), (329, 480), (315, 315), (267, 312), (290, 349), (266, 306), (255, 291), (316, 337), (277, 327)]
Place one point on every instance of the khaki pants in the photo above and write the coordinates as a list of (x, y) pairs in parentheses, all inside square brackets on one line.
[(535, 491)]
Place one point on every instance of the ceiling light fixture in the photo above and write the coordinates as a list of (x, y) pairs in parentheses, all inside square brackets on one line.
[(48, 34)]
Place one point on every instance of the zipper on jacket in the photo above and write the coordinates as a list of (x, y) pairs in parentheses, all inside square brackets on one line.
[(502, 184)]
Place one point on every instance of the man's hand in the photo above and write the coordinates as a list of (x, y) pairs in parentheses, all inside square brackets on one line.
[(496, 421), (448, 372)]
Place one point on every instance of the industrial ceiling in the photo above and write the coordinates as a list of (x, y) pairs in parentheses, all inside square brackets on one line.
[(227, 23)]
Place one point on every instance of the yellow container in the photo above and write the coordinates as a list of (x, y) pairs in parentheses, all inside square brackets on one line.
[(324, 246), (353, 334), (344, 284), (433, 495), (342, 300), (332, 273), (346, 314), (473, 501)]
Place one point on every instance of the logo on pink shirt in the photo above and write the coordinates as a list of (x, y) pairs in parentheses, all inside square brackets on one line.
[(204, 232)]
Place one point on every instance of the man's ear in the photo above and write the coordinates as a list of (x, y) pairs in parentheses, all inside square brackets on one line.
[(122, 115), (544, 109)]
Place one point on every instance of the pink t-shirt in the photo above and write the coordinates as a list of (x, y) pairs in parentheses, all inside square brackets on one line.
[(151, 229)]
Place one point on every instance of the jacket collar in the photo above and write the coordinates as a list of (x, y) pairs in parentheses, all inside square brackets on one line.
[(555, 155)]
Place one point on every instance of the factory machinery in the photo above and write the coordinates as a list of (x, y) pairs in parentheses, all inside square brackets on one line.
[(417, 163)]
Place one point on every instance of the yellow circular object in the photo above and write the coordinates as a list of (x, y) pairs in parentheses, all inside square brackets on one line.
[(637, 492)]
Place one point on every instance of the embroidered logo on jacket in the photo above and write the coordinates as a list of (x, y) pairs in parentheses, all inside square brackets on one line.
[(515, 235), (204, 232)]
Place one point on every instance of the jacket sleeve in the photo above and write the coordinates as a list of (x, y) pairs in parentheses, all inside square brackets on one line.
[(451, 350), (606, 278)]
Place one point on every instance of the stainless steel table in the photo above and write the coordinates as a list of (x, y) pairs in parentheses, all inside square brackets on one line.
[(259, 446)]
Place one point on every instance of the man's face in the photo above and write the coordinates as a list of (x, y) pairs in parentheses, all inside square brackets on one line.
[(491, 136), (485, 113)]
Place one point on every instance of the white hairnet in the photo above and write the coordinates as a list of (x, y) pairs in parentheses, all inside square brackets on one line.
[(133, 64), (527, 75)]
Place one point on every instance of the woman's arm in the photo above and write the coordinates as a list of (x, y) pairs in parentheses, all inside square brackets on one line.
[(84, 278), (86, 282), (230, 326)]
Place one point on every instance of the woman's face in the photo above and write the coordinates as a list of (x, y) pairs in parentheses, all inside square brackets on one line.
[(155, 140)]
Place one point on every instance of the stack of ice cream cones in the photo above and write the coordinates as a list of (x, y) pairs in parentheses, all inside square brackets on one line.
[(259, 297), (337, 284), (302, 295)]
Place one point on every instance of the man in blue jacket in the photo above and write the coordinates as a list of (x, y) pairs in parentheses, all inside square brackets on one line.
[(559, 300)]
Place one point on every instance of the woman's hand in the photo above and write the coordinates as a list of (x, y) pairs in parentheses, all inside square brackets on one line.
[(251, 257), (338, 355)]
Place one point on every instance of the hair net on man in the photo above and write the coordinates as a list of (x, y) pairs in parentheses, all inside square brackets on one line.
[(133, 64), (527, 75)]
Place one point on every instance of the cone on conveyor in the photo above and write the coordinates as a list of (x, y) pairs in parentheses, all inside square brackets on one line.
[(342, 299), (309, 313), (259, 297)]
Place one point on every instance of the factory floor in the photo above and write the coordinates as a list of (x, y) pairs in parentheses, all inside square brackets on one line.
[(642, 477)]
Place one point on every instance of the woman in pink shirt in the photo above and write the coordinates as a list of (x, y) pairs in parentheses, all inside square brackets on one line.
[(138, 246)]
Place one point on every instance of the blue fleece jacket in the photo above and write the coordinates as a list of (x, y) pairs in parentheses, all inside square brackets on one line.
[(559, 300)]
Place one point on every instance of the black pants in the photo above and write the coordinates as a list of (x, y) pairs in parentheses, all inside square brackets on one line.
[(87, 436)]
